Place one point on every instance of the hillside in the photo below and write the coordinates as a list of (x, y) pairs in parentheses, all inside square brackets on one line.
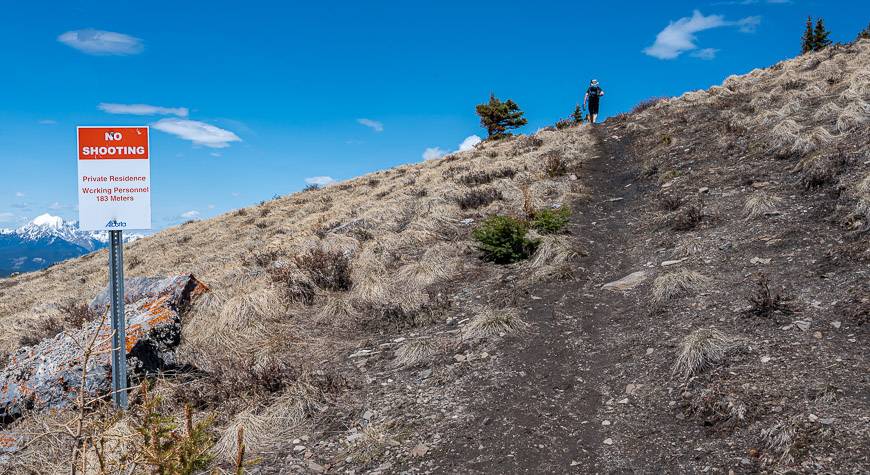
[(356, 329)]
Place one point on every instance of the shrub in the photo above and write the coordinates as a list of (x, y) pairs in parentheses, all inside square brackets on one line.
[(865, 34), (564, 124), (484, 177), (670, 202), (497, 117), (76, 314), (554, 165), (689, 218), (503, 239), (329, 270), (478, 198), (551, 221), (311, 187), (73, 315), (133, 261), (646, 104), (764, 303), (44, 329)]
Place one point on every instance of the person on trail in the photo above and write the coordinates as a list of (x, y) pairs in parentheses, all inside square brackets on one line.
[(592, 95)]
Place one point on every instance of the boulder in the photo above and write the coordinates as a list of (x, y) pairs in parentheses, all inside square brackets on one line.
[(628, 282), (49, 374)]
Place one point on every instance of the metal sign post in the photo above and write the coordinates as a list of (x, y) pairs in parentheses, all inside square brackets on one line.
[(119, 320), (114, 185)]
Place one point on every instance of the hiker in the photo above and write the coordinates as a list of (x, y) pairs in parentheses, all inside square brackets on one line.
[(592, 95)]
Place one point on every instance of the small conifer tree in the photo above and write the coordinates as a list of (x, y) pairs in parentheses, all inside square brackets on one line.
[(577, 115), (497, 117), (808, 42), (865, 34), (820, 35)]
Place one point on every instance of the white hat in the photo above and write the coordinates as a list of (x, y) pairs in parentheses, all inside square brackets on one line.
[(594, 81)]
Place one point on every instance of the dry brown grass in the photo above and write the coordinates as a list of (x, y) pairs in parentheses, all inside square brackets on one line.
[(701, 350), (238, 252), (853, 116), (554, 256), (416, 352), (761, 204), (778, 441), (678, 284), (489, 322)]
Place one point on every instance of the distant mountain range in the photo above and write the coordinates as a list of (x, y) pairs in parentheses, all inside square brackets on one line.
[(47, 240)]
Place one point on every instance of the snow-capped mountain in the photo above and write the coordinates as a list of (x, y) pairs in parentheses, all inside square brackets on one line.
[(46, 240)]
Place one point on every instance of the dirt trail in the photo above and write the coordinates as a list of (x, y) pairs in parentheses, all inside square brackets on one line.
[(543, 417)]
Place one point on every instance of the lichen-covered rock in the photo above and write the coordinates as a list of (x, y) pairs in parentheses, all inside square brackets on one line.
[(49, 374)]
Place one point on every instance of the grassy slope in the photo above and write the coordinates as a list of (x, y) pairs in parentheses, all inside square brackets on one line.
[(783, 152)]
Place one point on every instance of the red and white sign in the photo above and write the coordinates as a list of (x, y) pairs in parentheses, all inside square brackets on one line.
[(114, 178)]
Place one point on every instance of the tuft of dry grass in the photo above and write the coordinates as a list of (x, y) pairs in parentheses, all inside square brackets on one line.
[(809, 141), (416, 352), (553, 256), (267, 427), (687, 247), (853, 116), (371, 444), (490, 322), (700, 350), (761, 204), (784, 134), (778, 441), (676, 284)]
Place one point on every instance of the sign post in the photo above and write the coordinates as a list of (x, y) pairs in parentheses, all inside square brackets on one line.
[(115, 194)]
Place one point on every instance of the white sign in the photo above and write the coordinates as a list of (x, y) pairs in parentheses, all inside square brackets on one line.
[(114, 178)]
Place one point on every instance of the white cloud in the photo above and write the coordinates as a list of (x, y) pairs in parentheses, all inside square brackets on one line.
[(469, 143), (679, 36), (192, 214), (47, 122), (98, 42), (197, 132), (19, 194), (372, 124), (7, 217), (211, 206), (748, 24), (215, 154), (433, 153), (142, 109), (706, 53), (236, 194), (319, 180)]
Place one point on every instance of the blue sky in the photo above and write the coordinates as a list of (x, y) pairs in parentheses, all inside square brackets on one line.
[(251, 98)]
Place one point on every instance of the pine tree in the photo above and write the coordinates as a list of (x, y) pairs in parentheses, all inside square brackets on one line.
[(820, 36), (808, 42), (577, 115), (497, 117)]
